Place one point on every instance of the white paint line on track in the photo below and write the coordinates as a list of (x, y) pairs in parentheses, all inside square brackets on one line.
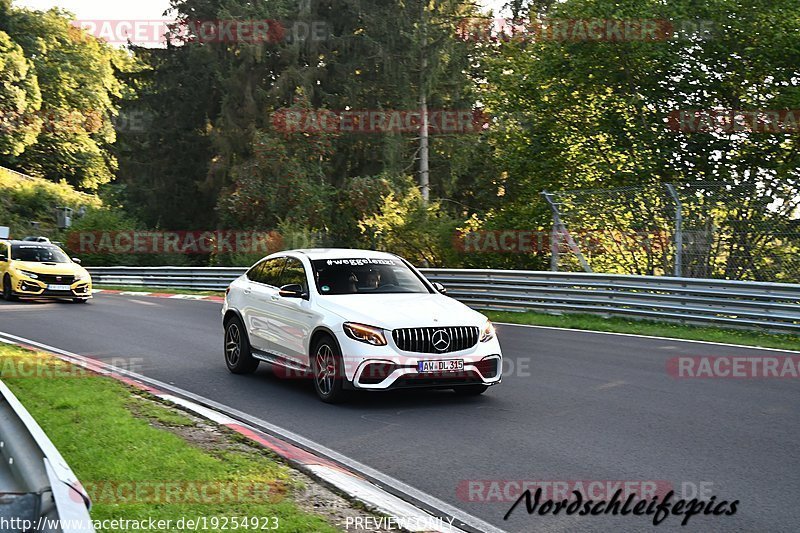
[(353, 478), (361, 488), (215, 416), (134, 293), (669, 339)]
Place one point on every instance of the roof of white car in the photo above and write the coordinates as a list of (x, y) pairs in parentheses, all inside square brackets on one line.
[(341, 253)]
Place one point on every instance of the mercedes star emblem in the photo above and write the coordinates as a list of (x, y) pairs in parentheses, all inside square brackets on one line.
[(441, 340)]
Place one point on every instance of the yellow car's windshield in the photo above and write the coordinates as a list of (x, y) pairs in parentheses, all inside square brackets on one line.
[(38, 253)]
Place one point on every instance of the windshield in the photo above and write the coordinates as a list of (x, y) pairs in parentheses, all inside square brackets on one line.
[(38, 253), (365, 276)]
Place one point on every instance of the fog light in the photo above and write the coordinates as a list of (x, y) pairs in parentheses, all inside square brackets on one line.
[(28, 287)]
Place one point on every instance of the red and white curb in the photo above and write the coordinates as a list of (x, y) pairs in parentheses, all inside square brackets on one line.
[(342, 474), (170, 295)]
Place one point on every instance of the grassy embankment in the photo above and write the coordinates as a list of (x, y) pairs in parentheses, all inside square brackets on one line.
[(112, 435)]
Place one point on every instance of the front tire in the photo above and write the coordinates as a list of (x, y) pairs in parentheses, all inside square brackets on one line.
[(328, 370), (80, 300), (238, 355), (7, 293)]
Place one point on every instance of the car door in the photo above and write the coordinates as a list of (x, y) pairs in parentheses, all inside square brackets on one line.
[(5, 259), (260, 293), (295, 318)]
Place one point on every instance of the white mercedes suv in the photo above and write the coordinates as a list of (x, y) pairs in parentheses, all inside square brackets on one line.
[(356, 320)]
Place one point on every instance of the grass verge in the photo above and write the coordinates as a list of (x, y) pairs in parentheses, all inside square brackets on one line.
[(116, 441), (647, 327)]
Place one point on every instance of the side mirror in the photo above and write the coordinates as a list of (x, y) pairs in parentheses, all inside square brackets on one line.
[(293, 290), (76, 260), (439, 287)]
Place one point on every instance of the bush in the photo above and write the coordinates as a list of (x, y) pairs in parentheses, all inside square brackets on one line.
[(421, 233), (23, 201), (110, 220)]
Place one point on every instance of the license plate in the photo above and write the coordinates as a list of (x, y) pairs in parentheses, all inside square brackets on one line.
[(446, 365), (58, 287)]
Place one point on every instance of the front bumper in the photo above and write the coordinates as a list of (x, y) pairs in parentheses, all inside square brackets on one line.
[(387, 367), (32, 288)]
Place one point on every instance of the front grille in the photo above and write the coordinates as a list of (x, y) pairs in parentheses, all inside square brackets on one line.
[(430, 340), (50, 279)]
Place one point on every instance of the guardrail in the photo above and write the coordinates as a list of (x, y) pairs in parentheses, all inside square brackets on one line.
[(774, 306), (36, 484), (200, 278), (18, 174)]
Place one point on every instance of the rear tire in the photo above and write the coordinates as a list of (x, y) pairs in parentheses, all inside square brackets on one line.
[(328, 371), (471, 390), (238, 355), (7, 294)]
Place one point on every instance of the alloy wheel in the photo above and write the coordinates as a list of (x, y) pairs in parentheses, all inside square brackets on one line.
[(326, 369), (233, 344)]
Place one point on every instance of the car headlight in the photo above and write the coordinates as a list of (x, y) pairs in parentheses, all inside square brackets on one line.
[(81, 276), (363, 333), (31, 275), (488, 332)]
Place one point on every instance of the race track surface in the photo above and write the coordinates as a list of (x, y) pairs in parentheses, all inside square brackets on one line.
[(572, 406)]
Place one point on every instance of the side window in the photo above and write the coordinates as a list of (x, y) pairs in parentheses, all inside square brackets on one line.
[(271, 271), (267, 272), (3, 251), (255, 273), (294, 273)]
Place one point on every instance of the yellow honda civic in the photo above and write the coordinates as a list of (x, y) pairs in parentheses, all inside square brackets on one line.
[(41, 270)]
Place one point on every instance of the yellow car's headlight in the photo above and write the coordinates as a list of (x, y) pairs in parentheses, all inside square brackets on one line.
[(80, 276), (26, 273)]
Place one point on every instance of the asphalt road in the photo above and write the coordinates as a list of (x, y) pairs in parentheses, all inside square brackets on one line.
[(572, 406)]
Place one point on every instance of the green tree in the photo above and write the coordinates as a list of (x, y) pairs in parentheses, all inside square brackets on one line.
[(579, 114), (77, 76), (20, 99), (404, 224), (212, 105)]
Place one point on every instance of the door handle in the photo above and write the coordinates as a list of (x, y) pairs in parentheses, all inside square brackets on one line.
[(274, 298), (248, 290)]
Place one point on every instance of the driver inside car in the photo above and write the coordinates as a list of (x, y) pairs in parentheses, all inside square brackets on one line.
[(373, 279)]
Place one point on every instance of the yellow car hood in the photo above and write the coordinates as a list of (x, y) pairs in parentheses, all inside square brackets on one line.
[(57, 269)]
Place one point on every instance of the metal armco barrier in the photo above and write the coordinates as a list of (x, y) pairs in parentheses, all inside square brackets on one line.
[(36, 484), (774, 306), (200, 278), (704, 301), (19, 175)]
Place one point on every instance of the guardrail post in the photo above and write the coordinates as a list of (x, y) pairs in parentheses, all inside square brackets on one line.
[(559, 228), (678, 231)]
